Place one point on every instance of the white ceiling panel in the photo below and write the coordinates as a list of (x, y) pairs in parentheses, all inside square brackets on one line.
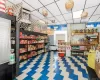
[(60, 18), (25, 5), (70, 21), (98, 20), (45, 2), (36, 13), (34, 17), (97, 11), (78, 5), (53, 9), (91, 3), (61, 5), (90, 10), (68, 16), (49, 14), (63, 22), (77, 20), (94, 18), (34, 3), (15, 1), (52, 18), (85, 19)]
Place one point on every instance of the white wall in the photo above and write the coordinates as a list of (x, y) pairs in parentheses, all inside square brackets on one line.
[(59, 32)]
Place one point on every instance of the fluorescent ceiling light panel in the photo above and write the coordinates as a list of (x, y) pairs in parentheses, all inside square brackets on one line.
[(77, 14)]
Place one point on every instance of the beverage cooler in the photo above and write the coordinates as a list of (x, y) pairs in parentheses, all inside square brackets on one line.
[(7, 46)]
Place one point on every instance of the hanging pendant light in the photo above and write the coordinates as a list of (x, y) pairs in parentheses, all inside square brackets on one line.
[(45, 12), (84, 14), (69, 5)]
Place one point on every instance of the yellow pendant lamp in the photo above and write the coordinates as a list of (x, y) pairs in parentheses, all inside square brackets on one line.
[(69, 5), (84, 14), (44, 12)]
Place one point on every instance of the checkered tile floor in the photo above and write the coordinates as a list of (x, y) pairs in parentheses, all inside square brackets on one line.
[(49, 66)]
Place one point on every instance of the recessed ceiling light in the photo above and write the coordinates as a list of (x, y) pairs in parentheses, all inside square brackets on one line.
[(77, 14)]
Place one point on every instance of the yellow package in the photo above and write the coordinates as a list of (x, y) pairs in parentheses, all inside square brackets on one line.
[(91, 59)]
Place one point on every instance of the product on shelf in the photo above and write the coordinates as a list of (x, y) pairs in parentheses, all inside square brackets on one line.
[(31, 47), (40, 51), (85, 31), (22, 50), (31, 54), (23, 41), (23, 57), (32, 41), (41, 45)]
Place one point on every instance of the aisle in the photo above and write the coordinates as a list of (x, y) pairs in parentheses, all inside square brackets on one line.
[(50, 67)]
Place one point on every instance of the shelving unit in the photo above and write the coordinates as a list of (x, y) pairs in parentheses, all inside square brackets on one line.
[(31, 44), (93, 40)]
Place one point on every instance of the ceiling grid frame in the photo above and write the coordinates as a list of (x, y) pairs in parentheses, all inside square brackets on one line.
[(55, 16), (60, 11), (49, 11), (94, 12), (83, 9)]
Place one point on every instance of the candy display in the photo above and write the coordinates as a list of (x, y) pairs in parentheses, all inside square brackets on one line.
[(23, 57), (40, 51), (41, 45), (32, 41), (31, 44), (61, 48), (31, 54), (31, 47), (23, 41), (22, 50)]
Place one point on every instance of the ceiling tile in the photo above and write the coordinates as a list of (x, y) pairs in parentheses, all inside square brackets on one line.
[(34, 3), (34, 17), (36, 13), (45, 2), (85, 19), (60, 18), (78, 5), (53, 9), (98, 20), (70, 21), (26, 6), (61, 5), (77, 20), (52, 18), (15, 1), (97, 11), (90, 10), (94, 18), (68, 16), (90, 3), (77, 14), (63, 22), (49, 14)]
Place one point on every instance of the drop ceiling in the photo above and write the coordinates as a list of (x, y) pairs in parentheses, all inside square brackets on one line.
[(56, 10)]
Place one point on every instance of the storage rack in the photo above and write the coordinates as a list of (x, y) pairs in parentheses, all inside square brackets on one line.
[(36, 50), (86, 45)]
